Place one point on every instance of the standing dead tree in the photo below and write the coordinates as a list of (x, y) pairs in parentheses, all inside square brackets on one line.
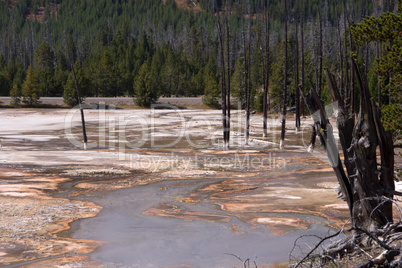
[(297, 87), (247, 71), (224, 31), (367, 186), (302, 78), (223, 83), (84, 132), (228, 11), (266, 74), (285, 81), (71, 56)]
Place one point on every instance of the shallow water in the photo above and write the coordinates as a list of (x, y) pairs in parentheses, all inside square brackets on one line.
[(204, 225), (138, 240)]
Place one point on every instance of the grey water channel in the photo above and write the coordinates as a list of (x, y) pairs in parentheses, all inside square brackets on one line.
[(137, 240)]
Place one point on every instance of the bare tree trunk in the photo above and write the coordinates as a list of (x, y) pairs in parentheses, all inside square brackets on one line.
[(285, 84), (297, 92), (352, 71), (223, 81), (266, 80), (367, 47), (379, 82), (320, 54), (340, 53), (229, 72), (247, 56), (347, 85), (84, 132), (312, 140), (302, 54), (367, 190)]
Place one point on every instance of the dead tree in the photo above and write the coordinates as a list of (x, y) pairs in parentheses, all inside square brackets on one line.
[(223, 83), (84, 132), (352, 95), (320, 53), (266, 77), (228, 72), (297, 89), (302, 55), (247, 64), (367, 186), (71, 58), (285, 81), (340, 53)]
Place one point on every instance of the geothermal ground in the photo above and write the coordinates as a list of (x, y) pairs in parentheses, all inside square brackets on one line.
[(157, 188)]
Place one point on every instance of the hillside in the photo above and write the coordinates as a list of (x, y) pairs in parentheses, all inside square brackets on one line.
[(175, 41)]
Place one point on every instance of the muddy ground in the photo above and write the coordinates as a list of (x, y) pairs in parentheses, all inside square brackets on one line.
[(46, 175)]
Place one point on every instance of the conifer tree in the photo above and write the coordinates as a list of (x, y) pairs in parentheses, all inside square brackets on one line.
[(30, 88), (144, 94)]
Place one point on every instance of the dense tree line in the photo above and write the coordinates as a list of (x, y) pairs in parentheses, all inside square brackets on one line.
[(152, 48)]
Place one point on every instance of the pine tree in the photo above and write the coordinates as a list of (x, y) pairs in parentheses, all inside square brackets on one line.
[(30, 88), (145, 95), (5, 84), (70, 95)]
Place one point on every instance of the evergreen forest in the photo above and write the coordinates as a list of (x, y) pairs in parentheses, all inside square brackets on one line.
[(152, 48)]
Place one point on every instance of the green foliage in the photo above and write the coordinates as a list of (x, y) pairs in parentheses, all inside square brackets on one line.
[(5, 84), (259, 102), (44, 56), (145, 93), (16, 95), (391, 116), (387, 30), (237, 83), (60, 79), (70, 95), (30, 88), (211, 95), (112, 40)]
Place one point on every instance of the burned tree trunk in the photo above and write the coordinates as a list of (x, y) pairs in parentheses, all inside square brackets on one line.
[(285, 82), (297, 90), (223, 83), (320, 53), (367, 189), (340, 53), (247, 61), (84, 132), (266, 80), (372, 187), (228, 72), (302, 80)]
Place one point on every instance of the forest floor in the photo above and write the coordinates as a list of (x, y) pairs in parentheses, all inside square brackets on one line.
[(45, 173)]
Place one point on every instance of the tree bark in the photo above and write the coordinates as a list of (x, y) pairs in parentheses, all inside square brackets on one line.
[(228, 73), (223, 81), (84, 132), (297, 92), (378, 82), (285, 84), (320, 55), (352, 70), (247, 55), (347, 85), (340, 53), (367, 189), (302, 54), (266, 80)]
